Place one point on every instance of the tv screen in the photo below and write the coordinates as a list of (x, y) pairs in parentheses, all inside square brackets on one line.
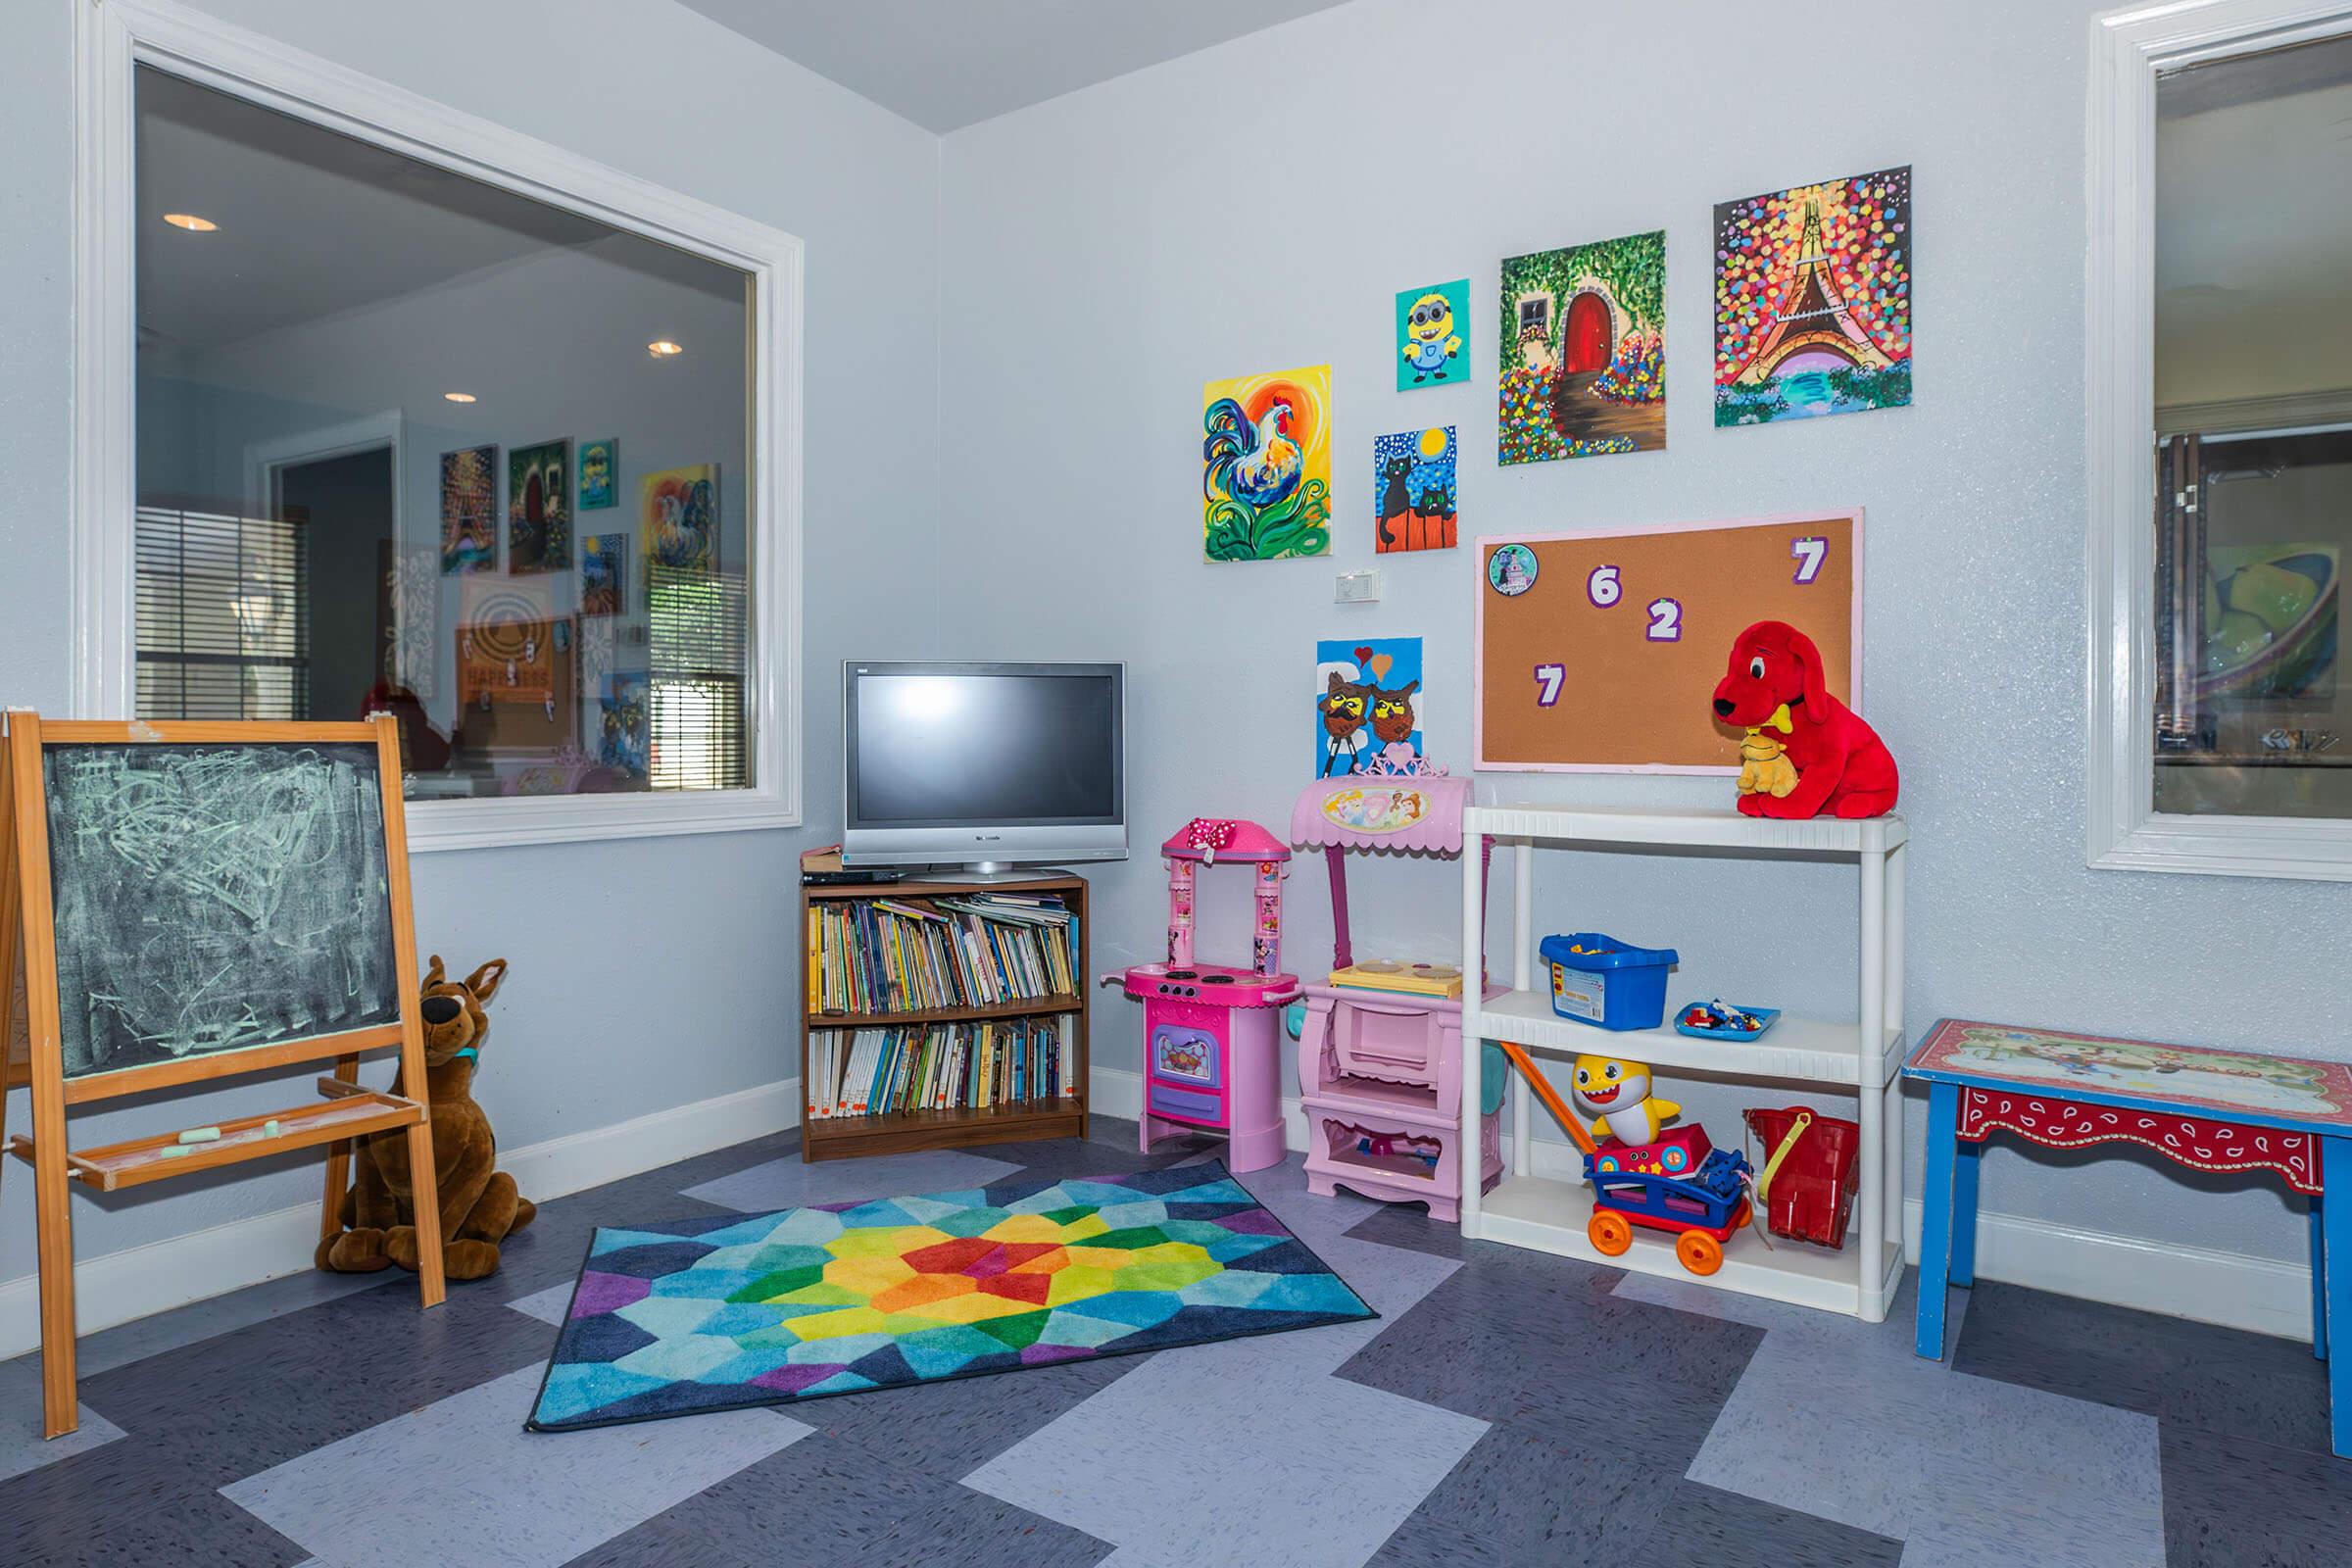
[(984, 762)]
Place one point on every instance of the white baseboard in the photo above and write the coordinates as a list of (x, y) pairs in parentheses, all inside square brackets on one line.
[(139, 1280), (2234, 1289)]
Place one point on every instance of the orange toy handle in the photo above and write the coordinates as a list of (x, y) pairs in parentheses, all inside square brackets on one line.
[(1549, 1095)]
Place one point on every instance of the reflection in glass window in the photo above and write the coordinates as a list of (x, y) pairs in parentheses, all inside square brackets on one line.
[(411, 443), (2253, 358)]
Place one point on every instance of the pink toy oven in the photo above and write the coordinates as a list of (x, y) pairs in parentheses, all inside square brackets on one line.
[(1212, 1058), (1379, 1052)]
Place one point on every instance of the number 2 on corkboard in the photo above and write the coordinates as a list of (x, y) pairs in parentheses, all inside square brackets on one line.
[(1598, 649)]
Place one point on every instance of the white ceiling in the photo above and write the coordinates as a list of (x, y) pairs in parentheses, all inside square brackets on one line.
[(946, 63), (2254, 219), (314, 225)]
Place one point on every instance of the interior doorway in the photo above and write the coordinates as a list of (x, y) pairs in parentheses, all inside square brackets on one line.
[(345, 508)]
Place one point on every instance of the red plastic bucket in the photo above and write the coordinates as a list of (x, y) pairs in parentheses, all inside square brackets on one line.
[(1812, 1195)]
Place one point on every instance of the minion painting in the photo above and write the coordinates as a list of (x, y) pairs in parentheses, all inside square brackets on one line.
[(1431, 347)]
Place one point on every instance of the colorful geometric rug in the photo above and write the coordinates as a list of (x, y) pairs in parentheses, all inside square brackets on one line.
[(726, 1311)]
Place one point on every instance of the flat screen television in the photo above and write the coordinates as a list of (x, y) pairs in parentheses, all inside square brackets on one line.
[(983, 766)]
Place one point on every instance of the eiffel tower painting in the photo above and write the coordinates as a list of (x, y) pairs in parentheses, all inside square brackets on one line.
[(1813, 299)]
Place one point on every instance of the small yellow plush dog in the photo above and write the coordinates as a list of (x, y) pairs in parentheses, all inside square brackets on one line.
[(1764, 765)]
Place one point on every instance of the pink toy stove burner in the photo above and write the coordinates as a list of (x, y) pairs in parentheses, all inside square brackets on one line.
[(1211, 1050)]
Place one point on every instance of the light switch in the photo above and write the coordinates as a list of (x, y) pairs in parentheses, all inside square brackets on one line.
[(1358, 587)]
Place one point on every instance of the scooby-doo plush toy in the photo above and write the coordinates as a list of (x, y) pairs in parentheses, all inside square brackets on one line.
[(480, 1206), (1842, 768)]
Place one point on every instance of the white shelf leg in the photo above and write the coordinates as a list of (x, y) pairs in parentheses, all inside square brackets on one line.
[(1872, 1101), (1472, 1162), (1523, 1149), (1898, 861), (1522, 905)]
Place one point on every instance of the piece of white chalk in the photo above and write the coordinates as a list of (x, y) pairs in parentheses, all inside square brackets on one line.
[(269, 1129), (174, 1150), (200, 1135)]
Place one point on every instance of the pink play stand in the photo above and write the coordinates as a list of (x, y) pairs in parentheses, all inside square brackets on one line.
[(1212, 1057), (1381, 1071)]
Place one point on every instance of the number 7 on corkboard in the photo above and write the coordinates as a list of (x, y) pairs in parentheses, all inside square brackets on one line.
[(1598, 649)]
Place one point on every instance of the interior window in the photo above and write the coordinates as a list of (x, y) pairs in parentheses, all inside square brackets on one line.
[(409, 442), (2253, 366)]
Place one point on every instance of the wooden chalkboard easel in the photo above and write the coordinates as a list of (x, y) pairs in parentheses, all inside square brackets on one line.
[(345, 1112)]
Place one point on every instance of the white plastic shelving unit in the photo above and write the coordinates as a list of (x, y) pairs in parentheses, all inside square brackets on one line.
[(1549, 1211)]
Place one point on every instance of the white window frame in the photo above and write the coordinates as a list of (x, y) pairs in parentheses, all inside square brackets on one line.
[(113, 38), (2125, 830)]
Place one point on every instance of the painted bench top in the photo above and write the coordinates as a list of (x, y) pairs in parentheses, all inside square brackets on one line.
[(2263, 1090)]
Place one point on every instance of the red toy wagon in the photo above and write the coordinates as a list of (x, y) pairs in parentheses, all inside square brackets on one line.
[(1681, 1184)]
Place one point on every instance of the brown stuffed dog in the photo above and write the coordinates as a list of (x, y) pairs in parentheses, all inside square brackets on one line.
[(480, 1206)]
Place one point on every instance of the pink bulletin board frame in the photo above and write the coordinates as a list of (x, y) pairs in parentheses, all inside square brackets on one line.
[(1487, 544)]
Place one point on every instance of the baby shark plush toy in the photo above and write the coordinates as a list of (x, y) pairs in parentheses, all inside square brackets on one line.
[(1615, 1094)]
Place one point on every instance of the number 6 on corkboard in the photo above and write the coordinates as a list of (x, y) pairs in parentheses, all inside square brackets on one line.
[(1597, 651)]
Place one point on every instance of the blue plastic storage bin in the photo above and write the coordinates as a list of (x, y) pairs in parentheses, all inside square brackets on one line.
[(1612, 985)]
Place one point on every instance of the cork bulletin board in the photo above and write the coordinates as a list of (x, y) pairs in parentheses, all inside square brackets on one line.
[(1598, 650)]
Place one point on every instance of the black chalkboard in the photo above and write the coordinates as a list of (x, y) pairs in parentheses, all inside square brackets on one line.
[(215, 897)]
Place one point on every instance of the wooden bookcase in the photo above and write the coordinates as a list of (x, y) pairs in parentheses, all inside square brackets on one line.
[(846, 1137)]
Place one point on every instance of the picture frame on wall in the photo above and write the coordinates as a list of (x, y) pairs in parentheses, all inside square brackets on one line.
[(539, 507), (469, 511), (600, 473), (604, 574), (678, 514)]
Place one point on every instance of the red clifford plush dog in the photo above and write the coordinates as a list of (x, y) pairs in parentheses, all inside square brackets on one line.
[(1842, 768)]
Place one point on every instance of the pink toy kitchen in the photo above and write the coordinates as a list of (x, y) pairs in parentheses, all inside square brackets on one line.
[(1212, 1052)]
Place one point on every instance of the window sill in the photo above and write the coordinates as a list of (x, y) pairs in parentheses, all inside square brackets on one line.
[(491, 824), (2310, 849)]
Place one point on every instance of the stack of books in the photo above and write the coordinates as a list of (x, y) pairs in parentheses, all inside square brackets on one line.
[(940, 1066), (984, 950)]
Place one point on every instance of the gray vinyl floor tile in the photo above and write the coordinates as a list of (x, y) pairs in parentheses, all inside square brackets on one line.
[(1508, 1407), (1429, 1540), (21, 1445), (820, 1503), (548, 1305), (462, 1469), (1251, 1423), (135, 1340), (1240, 1469), (967, 1421), (1954, 1462), (2231, 1503), (2222, 1381), (1689, 1523), (790, 1184)]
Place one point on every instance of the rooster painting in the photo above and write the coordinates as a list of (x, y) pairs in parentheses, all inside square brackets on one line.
[(678, 508), (1266, 477)]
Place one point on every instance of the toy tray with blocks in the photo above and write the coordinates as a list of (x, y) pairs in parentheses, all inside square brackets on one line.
[(1717, 1021)]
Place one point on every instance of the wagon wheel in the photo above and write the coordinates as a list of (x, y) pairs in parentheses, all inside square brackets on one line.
[(1610, 1234), (1700, 1253)]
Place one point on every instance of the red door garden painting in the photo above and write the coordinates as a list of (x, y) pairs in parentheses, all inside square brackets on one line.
[(1583, 351)]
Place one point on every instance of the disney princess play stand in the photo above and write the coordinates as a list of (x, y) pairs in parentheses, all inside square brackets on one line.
[(1380, 1049), (1211, 1050)]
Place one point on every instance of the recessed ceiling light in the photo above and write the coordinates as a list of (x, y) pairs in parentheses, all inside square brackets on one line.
[(459, 397), (191, 223), (662, 348)]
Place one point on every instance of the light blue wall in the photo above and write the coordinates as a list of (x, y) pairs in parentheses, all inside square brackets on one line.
[(1028, 441), (1257, 206), (651, 973)]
